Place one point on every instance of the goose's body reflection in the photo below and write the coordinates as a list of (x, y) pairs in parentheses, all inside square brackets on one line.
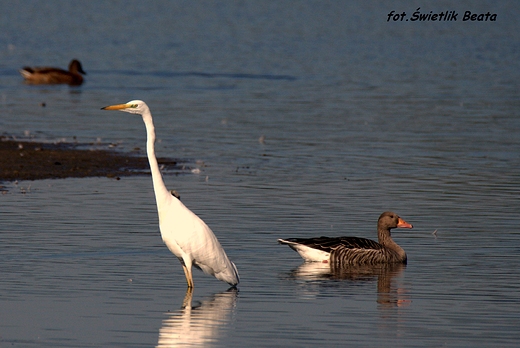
[(199, 325), (388, 293)]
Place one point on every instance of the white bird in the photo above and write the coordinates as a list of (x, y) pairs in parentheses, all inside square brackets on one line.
[(183, 232)]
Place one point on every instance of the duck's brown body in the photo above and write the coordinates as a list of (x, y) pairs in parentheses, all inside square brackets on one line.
[(354, 250), (49, 75)]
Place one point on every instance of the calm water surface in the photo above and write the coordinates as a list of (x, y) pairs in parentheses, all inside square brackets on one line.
[(359, 115)]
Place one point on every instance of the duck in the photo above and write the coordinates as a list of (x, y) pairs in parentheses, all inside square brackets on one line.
[(354, 250), (49, 75)]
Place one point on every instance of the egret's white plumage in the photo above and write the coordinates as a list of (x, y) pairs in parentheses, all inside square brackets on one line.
[(183, 232)]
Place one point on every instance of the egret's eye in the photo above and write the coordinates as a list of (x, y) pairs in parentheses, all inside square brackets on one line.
[(133, 106)]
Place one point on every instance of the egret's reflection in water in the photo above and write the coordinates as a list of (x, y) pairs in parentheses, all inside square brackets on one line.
[(389, 294), (199, 325)]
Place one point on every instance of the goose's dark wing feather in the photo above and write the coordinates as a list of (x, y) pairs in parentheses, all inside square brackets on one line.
[(329, 244)]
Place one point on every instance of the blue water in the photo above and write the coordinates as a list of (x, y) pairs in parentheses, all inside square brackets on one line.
[(359, 116)]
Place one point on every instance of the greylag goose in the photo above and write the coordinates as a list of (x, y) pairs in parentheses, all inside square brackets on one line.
[(49, 75), (354, 250)]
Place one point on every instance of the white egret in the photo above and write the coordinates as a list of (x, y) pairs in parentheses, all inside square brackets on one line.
[(183, 232), (354, 250)]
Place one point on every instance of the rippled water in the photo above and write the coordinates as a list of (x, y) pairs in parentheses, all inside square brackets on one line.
[(359, 115)]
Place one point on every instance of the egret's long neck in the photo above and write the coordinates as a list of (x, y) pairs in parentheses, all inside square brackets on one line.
[(161, 192)]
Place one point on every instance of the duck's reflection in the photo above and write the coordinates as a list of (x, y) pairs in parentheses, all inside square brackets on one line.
[(199, 325), (389, 294)]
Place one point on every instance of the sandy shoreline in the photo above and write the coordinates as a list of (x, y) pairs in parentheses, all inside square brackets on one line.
[(32, 160)]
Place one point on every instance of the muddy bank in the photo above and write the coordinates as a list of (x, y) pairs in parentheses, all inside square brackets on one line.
[(29, 160)]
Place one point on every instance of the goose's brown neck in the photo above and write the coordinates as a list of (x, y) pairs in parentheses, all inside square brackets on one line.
[(385, 239)]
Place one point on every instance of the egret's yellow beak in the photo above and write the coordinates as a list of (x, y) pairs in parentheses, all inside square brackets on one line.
[(116, 107)]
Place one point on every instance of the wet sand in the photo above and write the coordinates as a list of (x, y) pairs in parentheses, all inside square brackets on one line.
[(30, 160)]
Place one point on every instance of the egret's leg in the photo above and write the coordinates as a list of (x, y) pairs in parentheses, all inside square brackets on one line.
[(187, 298), (187, 273)]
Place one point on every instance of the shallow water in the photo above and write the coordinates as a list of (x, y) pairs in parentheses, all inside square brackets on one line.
[(359, 116)]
